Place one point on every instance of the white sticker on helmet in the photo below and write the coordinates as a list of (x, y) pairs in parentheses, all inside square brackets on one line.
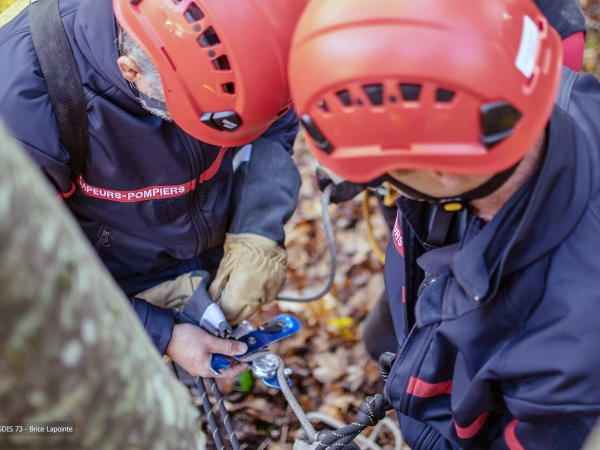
[(528, 48)]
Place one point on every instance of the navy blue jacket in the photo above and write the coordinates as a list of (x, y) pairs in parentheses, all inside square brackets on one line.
[(500, 348), (153, 201)]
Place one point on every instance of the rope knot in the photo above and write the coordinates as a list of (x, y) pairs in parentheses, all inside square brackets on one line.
[(373, 409)]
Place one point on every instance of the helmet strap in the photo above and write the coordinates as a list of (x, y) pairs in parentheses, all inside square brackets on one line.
[(149, 101), (452, 204)]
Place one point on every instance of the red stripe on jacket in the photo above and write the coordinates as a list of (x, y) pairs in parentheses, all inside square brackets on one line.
[(510, 436), (424, 389), (471, 430), (62, 195), (150, 192)]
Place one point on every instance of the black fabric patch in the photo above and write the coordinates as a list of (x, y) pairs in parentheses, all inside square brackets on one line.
[(166, 210), (570, 434)]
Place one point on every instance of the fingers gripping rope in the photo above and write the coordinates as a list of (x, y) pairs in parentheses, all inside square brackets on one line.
[(371, 411)]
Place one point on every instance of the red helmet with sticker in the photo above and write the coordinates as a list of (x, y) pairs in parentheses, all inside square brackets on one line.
[(454, 86), (223, 64)]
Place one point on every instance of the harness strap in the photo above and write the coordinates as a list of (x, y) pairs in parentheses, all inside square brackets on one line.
[(566, 84), (439, 227), (58, 67)]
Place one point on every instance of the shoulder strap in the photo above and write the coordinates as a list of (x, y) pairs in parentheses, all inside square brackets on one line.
[(566, 84), (439, 227), (62, 78)]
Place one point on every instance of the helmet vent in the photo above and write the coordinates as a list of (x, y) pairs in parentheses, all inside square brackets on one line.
[(285, 109), (444, 95), (323, 106), (193, 13), (498, 120), (375, 93), (209, 38), (410, 92), (228, 88), (221, 63), (344, 97), (316, 135)]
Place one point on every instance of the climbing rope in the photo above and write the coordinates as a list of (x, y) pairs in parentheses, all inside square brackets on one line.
[(365, 442), (213, 428), (367, 215), (371, 411), (332, 253)]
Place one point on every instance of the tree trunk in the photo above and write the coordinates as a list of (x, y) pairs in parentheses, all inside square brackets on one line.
[(71, 349)]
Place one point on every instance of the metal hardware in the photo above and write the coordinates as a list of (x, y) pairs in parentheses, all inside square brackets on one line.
[(258, 340)]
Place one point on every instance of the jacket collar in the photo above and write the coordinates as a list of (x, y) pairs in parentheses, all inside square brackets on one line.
[(96, 35), (536, 220)]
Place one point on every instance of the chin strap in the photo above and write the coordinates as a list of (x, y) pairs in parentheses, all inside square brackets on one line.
[(150, 102), (453, 204)]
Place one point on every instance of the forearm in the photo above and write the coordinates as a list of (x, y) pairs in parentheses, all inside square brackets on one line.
[(266, 189), (158, 322), (284, 131)]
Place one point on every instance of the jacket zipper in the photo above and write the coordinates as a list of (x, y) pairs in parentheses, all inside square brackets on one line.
[(104, 240), (416, 360), (429, 440), (198, 218)]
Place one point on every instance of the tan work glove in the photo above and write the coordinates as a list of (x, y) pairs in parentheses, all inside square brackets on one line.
[(251, 274), (173, 293)]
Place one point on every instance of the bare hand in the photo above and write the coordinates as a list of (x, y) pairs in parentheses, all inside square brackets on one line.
[(192, 348)]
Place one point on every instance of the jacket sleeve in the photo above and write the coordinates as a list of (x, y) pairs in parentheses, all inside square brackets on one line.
[(266, 186), (549, 372), (158, 322), (419, 435), (552, 432), (284, 130), (554, 411)]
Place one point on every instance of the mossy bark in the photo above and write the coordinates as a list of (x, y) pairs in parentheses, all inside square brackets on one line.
[(71, 349)]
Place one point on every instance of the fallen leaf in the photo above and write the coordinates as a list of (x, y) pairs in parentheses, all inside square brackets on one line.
[(331, 365)]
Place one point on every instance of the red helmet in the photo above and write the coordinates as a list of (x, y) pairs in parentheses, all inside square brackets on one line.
[(457, 86), (223, 64)]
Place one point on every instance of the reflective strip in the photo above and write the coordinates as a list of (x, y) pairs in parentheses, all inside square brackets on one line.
[(138, 195), (150, 192), (420, 388), (242, 155), (470, 431), (510, 436)]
